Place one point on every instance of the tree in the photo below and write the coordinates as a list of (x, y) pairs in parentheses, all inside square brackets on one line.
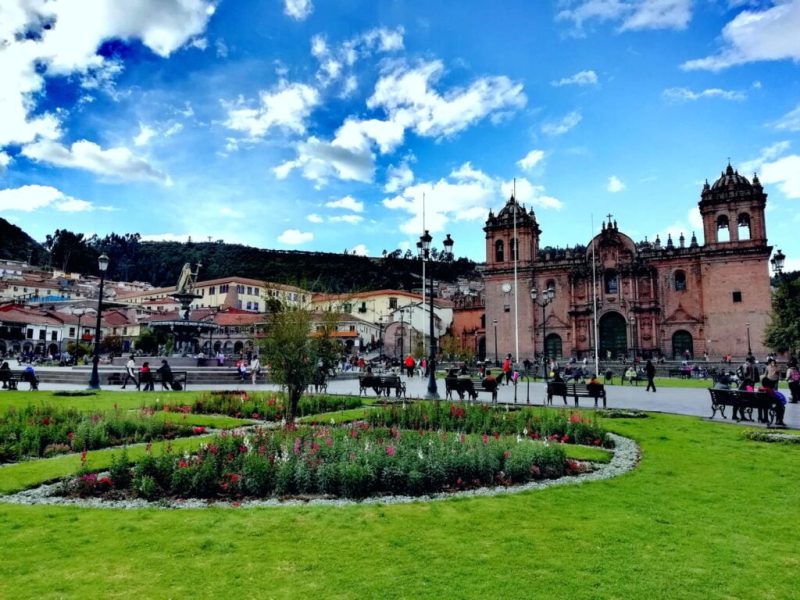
[(149, 340), (783, 332), (112, 344), (290, 353), (454, 348), (326, 346)]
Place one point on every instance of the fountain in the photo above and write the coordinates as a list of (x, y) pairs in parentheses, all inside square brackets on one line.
[(185, 332)]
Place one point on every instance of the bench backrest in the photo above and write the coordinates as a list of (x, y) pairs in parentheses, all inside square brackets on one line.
[(390, 380)]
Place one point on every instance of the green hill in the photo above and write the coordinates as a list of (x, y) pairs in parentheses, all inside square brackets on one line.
[(15, 244)]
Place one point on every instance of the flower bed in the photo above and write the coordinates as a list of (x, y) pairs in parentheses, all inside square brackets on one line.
[(267, 406), (41, 432), (439, 454), (469, 418)]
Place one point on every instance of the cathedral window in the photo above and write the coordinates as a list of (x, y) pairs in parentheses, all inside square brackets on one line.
[(737, 296), (744, 226), (612, 282), (723, 231), (680, 281), (512, 246), (551, 285), (499, 251)]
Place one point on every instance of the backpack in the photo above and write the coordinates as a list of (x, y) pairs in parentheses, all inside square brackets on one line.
[(794, 375)]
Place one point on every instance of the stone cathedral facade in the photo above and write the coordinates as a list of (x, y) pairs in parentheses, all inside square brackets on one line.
[(659, 298)]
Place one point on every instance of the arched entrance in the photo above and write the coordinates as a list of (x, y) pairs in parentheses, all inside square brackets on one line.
[(552, 345), (238, 347), (613, 335), (681, 342), (481, 348)]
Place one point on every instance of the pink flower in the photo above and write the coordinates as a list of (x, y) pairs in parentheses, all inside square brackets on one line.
[(485, 438), (390, 450), (297, 446), (565, 439)]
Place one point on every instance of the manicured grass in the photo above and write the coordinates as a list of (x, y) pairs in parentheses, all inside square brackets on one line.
[(215, 421), (23, 475), (99, 401), (707, 514)]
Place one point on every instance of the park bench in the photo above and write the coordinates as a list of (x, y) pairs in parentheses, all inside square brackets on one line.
[(179, 377), (13, 378), (742, 401), (381, 384), (682, 373), (472, 386), (576, 390), (633, 380)]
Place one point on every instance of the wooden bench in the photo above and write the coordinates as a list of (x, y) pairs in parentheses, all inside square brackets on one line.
[(14, 378), (744, 402), (381, 384), (471, 386), (682, 373), (576, 390)]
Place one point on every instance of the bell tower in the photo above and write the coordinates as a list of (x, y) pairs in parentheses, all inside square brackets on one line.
[(733, 211)]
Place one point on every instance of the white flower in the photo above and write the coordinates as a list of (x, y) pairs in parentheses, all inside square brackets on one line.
[(525, 432), (333, 422), (519, 439), (420, 454)]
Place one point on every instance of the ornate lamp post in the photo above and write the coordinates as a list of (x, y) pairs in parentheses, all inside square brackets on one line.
[(425, 249), (545, 299), (749, 349), (496, 356), (632, 322), (94, 381), (380, 338), (402, 335), (777, 262)]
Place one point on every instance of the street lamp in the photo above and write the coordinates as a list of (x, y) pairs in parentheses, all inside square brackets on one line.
[(777, 262), (545, 299), (749, 349), (94, 382), (402, 335), (425, 251), (380, 338), (632, 322), (496, 356)]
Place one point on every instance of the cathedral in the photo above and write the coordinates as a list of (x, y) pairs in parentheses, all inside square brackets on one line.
[(668, 298)]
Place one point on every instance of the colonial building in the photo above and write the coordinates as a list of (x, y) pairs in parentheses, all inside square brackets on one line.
[(652, 298)]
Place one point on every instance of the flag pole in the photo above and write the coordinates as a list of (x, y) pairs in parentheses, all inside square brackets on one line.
[(594, 305)]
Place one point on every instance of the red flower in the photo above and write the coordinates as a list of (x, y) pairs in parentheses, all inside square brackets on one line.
[(507, 454), (496, 435), (198, 430), (574, 418), (212, 449), (564, 439), (485, 438), (597, 442), (391, 451), (182, 464)]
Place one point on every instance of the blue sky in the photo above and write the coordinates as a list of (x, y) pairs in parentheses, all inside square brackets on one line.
[(309, 125)]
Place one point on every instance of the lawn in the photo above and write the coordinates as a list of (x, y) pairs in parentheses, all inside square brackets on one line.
[(707, 514)]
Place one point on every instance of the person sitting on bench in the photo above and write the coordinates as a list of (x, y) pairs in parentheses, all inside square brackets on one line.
[(489, 383), (29, 375), (5, 374)]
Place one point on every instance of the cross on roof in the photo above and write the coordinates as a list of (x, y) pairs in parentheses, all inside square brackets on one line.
[(609, 215)]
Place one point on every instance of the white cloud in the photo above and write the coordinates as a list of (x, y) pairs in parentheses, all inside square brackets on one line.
[(531, 159), (563, 125), (287, 106), (360, 250), (295, 237), (770, 34), (315, 218), (692, 224), (398, 177), (320, 160), (115, 163), (790, 121), (347, 203), (785, 173), (628, 14), (227, 211), (466, 194), (298, 9), (766, 154), (581, 78), (336, 62), (45, 39), (615, 184), (146, 133), (408, 97), (352, 219), (29, 198), (685, 95), (5, 160)]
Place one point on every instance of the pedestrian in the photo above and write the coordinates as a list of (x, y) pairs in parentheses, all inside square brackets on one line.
[(773, 373), (145, 378), (165, 372), (793, 380), (650, 372), (506, 370), (410, 363), (255, 368), (130, 373)]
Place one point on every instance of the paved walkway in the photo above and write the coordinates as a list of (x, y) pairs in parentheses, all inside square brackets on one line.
[(682, 401)]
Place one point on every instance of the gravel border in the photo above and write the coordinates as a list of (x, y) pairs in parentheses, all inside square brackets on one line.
[(626, 456)]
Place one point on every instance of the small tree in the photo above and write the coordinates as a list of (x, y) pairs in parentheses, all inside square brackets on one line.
[(783, 332), (290, 353), (111, 344)]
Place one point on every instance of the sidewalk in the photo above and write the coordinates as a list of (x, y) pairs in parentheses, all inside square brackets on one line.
[(681, 401)]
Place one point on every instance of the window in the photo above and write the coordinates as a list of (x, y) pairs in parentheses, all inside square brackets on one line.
[(249, 290), (744, 226), (737, 296), (249, 306), (239, 289), (363, 307), (723, 231), (72, 332), (255, 306), (42, 334), (612, 282), (347, 307), (512, 246), (499, 251), (352, 328), (223, 289), (255, 292), (124, 331), (392, 303), (507, 308), (212, 290), (680, 281), (53, 336)]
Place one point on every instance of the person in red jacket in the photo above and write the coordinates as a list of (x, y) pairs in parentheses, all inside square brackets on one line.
[(410, 363), (507, 369)]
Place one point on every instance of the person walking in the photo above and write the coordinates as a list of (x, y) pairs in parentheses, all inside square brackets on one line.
[(255, 368), (165, 371), (145, 378), (130, 373), (507, 369), (650, 372), (793, 380)]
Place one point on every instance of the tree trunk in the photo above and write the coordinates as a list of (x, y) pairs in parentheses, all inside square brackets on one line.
[(294, 399)]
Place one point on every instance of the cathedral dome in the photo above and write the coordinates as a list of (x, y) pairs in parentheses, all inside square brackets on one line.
[(731, 179)]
